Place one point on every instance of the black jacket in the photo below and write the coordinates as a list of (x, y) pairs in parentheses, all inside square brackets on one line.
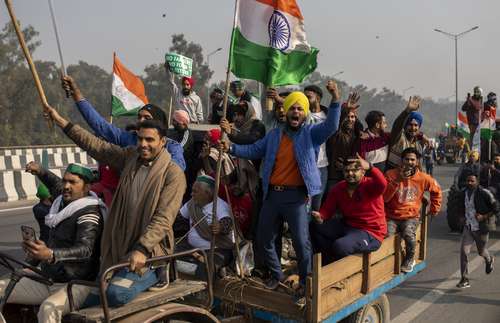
[(75, 240), (485, 203), (40, 210)]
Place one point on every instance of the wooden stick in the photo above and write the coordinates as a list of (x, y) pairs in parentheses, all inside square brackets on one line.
[(236, 232), (27, 55), (219, 160)]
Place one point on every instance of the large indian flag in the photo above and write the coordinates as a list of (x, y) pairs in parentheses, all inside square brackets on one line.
[(269, 43), (488, 125), (128, 94)]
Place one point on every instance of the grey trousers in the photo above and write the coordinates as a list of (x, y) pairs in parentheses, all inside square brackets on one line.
[(407, 230), (468, 238)]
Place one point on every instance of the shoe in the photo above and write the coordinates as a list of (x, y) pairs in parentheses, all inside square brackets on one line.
[(300, 297), (463, 283), (407, 266), (159, 286), (272, 283), (489, 265)]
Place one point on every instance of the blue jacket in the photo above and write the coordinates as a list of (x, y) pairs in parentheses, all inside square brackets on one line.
[(305, 144), (120, 137)]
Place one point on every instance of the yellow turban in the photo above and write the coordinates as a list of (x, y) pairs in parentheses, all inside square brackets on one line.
[(296, 97), (474, 154)]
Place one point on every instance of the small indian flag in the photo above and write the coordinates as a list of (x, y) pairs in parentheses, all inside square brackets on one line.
[(488, 124), (269, 43), (463, 125), (128, 94)]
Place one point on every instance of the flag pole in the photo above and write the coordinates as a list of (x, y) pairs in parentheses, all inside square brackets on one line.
[(219, 160), (111, 105), (29, 60)]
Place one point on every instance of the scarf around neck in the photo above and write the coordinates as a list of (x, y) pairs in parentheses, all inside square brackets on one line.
[(55, 216)]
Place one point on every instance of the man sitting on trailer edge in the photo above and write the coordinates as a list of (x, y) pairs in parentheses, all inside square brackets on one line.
[(289, 176), (144, 207), (359, 199), (403, 198)]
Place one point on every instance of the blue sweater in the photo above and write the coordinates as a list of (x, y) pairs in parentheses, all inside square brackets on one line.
[(122, 138), (305, 144)]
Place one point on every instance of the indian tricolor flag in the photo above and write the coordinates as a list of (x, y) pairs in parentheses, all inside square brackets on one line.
[(488, 124), (128, 94), (269, 43), (463, 125)]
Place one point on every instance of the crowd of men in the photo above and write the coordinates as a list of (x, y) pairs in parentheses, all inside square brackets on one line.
[(316, 175)]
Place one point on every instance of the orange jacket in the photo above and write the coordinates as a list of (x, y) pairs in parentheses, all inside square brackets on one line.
[(403, 199)]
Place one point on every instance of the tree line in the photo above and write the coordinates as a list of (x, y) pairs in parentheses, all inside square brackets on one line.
[(20, 107)]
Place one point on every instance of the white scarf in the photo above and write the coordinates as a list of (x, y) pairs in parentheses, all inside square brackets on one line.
[(54, 217)]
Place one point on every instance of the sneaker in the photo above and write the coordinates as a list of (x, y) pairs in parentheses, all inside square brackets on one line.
[(407, 266), (159, 286), (489, 265), (272, 283), (463, 283)]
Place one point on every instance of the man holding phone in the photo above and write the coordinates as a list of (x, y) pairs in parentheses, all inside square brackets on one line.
[(75, 221)]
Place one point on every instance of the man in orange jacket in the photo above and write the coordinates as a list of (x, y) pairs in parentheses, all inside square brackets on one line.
[(403, 200)]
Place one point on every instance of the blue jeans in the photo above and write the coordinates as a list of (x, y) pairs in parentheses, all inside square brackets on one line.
[(316, 199), (289, 206), (124, 287), (335, 240)]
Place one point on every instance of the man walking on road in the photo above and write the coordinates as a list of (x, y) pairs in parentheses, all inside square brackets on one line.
[(480, 210)]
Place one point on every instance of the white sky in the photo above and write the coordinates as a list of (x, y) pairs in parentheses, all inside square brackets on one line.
[(407, 53)]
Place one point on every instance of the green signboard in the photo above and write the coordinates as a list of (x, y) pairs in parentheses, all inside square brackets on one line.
[(180, 65)]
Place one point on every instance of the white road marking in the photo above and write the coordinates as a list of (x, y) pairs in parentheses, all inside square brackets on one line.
[(17, 208), (440, 290)]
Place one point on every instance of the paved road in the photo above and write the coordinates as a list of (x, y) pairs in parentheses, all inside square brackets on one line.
[(430, 296)]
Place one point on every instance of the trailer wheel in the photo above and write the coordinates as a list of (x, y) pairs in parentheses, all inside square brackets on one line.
[(376, 312)]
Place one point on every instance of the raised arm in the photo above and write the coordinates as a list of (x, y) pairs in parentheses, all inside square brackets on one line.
[(378, 183), (321, 131), (100, 150), (49, 179), (257, 150), (399, 123), (96, 122), (393, 180)]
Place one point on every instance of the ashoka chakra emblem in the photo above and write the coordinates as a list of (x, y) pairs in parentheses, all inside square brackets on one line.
[(279, 31)]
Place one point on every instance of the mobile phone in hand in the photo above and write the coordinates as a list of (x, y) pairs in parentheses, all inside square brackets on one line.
[(28, 233)]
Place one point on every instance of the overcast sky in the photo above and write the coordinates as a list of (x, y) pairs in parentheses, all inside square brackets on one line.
[(377, 43)]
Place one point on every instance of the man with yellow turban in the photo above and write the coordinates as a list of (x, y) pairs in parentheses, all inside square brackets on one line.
[(289, 176)]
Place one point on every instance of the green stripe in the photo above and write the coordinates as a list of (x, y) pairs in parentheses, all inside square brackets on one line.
[(118, 109), (486, 133), (464, 132), (268, 65)]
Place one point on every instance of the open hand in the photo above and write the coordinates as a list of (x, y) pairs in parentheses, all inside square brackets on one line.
[(414, 103), (353, 101)]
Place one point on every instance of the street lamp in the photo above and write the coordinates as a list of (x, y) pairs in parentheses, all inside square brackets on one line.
[(208, 65), (407, 89), (455, 37)]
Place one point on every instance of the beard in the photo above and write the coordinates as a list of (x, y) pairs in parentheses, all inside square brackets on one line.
[(186, 92)]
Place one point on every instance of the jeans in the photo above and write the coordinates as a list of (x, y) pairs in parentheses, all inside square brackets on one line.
[(407, 230), (124, 287), (316, 199), (336, 240), (285, 206)]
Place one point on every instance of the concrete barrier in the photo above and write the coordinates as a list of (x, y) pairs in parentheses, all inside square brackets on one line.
[(16, 184)]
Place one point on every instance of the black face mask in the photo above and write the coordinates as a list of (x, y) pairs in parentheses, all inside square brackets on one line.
[(178, 128), (186, 92)]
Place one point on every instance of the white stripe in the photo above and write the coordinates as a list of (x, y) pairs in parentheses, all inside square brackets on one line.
[(8, 181), (16, 209), (16, 162), (87, 221), (440, 290), (29, 185), (8, 152), (88, 217), (58, 160), (120, 91), (253, 21), (2, 162), (71, 158), (19, 152)]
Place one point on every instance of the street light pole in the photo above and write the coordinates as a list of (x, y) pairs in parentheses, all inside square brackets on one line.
[(455, 37), (208, 65)]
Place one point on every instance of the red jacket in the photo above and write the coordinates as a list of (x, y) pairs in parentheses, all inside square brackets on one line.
[(365, 209)]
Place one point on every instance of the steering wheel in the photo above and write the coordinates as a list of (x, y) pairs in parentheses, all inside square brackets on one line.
[(36, 275)]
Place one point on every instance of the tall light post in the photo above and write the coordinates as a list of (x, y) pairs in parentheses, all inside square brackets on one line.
[(208, 65), (455, 37), (407, 89)]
